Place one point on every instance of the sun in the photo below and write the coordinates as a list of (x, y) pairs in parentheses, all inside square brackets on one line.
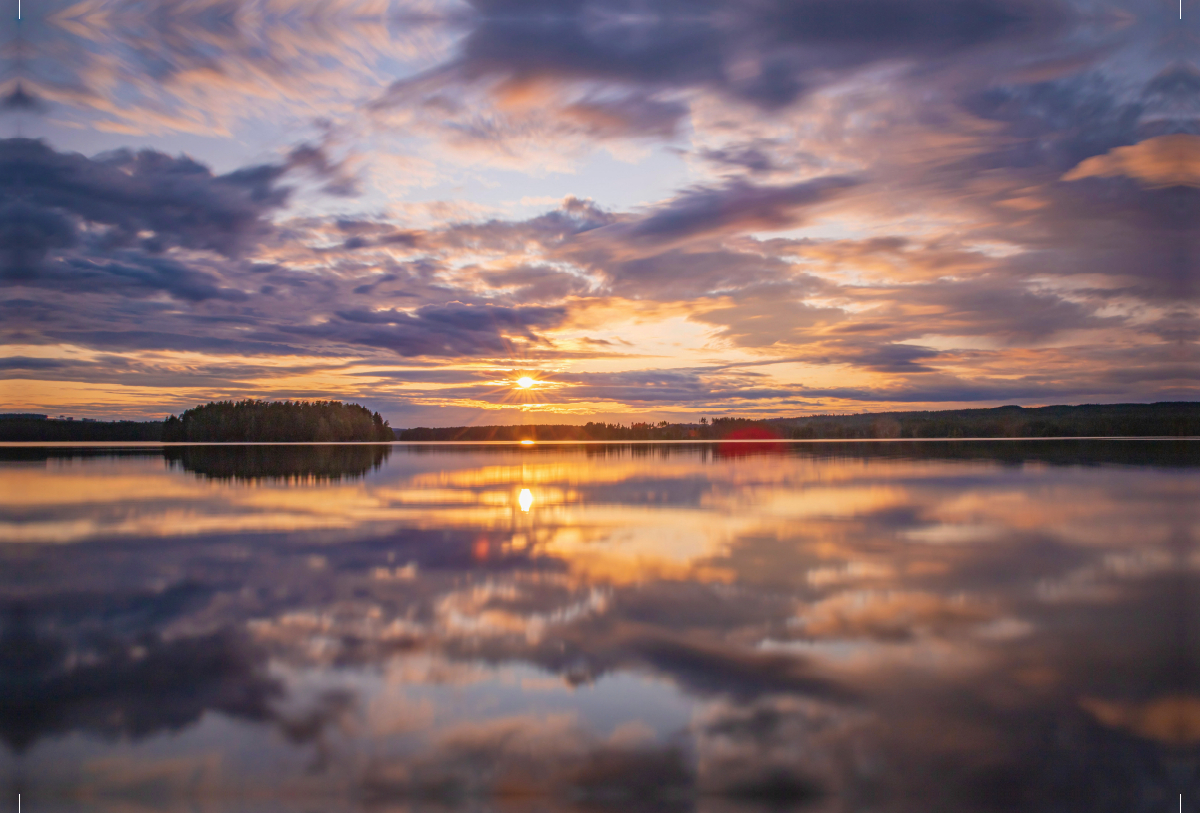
[(525, 382)]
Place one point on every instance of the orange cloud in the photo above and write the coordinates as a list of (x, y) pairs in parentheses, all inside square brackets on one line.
[(1170, 160), (1170, 720)]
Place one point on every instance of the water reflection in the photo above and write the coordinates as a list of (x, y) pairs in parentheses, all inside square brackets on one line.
[(893, 627), (292, 462)]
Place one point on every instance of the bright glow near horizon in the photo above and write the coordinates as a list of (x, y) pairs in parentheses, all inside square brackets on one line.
[(525, 382)]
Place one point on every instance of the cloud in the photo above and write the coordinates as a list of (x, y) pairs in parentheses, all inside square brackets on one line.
[(675, 274), (123, 200), (768, 54), (133, 273), (698, 387), (1056, 124), (454, 329), (132, 691), (1172, 160), (25, 363), (893, 358), (752, 158), (631, 116), (705, 668), (888, 616), (537, 283), (211, 69), (27, 235), (541, 757), (21, 100), (737, 207)]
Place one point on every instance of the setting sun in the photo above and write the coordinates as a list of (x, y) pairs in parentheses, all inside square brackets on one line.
[(525, 382)]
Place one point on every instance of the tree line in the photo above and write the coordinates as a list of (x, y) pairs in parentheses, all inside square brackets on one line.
[(1167, 419), (246, 421), (304, 421), (25, 429), (1164, 419)]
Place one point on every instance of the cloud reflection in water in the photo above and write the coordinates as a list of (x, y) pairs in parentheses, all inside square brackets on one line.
[(905, 627)]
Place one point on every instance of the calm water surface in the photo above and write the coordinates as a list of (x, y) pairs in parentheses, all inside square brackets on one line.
[(830, 627)]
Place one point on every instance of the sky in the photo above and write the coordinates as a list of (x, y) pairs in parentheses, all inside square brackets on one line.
[(655, 209)]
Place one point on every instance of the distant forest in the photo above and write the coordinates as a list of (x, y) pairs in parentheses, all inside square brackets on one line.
[(40, 429), (1169, 419), (301, 421)]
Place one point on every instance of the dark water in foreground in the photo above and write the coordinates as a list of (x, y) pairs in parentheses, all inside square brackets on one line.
[(965, 626)]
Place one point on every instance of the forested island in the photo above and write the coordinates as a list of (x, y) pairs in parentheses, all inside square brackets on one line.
[(247, 421), (1167, 419), (276, 422)]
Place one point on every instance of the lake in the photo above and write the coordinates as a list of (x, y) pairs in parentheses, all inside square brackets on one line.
[(903, 626)]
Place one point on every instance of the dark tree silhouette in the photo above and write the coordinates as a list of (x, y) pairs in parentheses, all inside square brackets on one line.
[(1168, 419), (276, 422)]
